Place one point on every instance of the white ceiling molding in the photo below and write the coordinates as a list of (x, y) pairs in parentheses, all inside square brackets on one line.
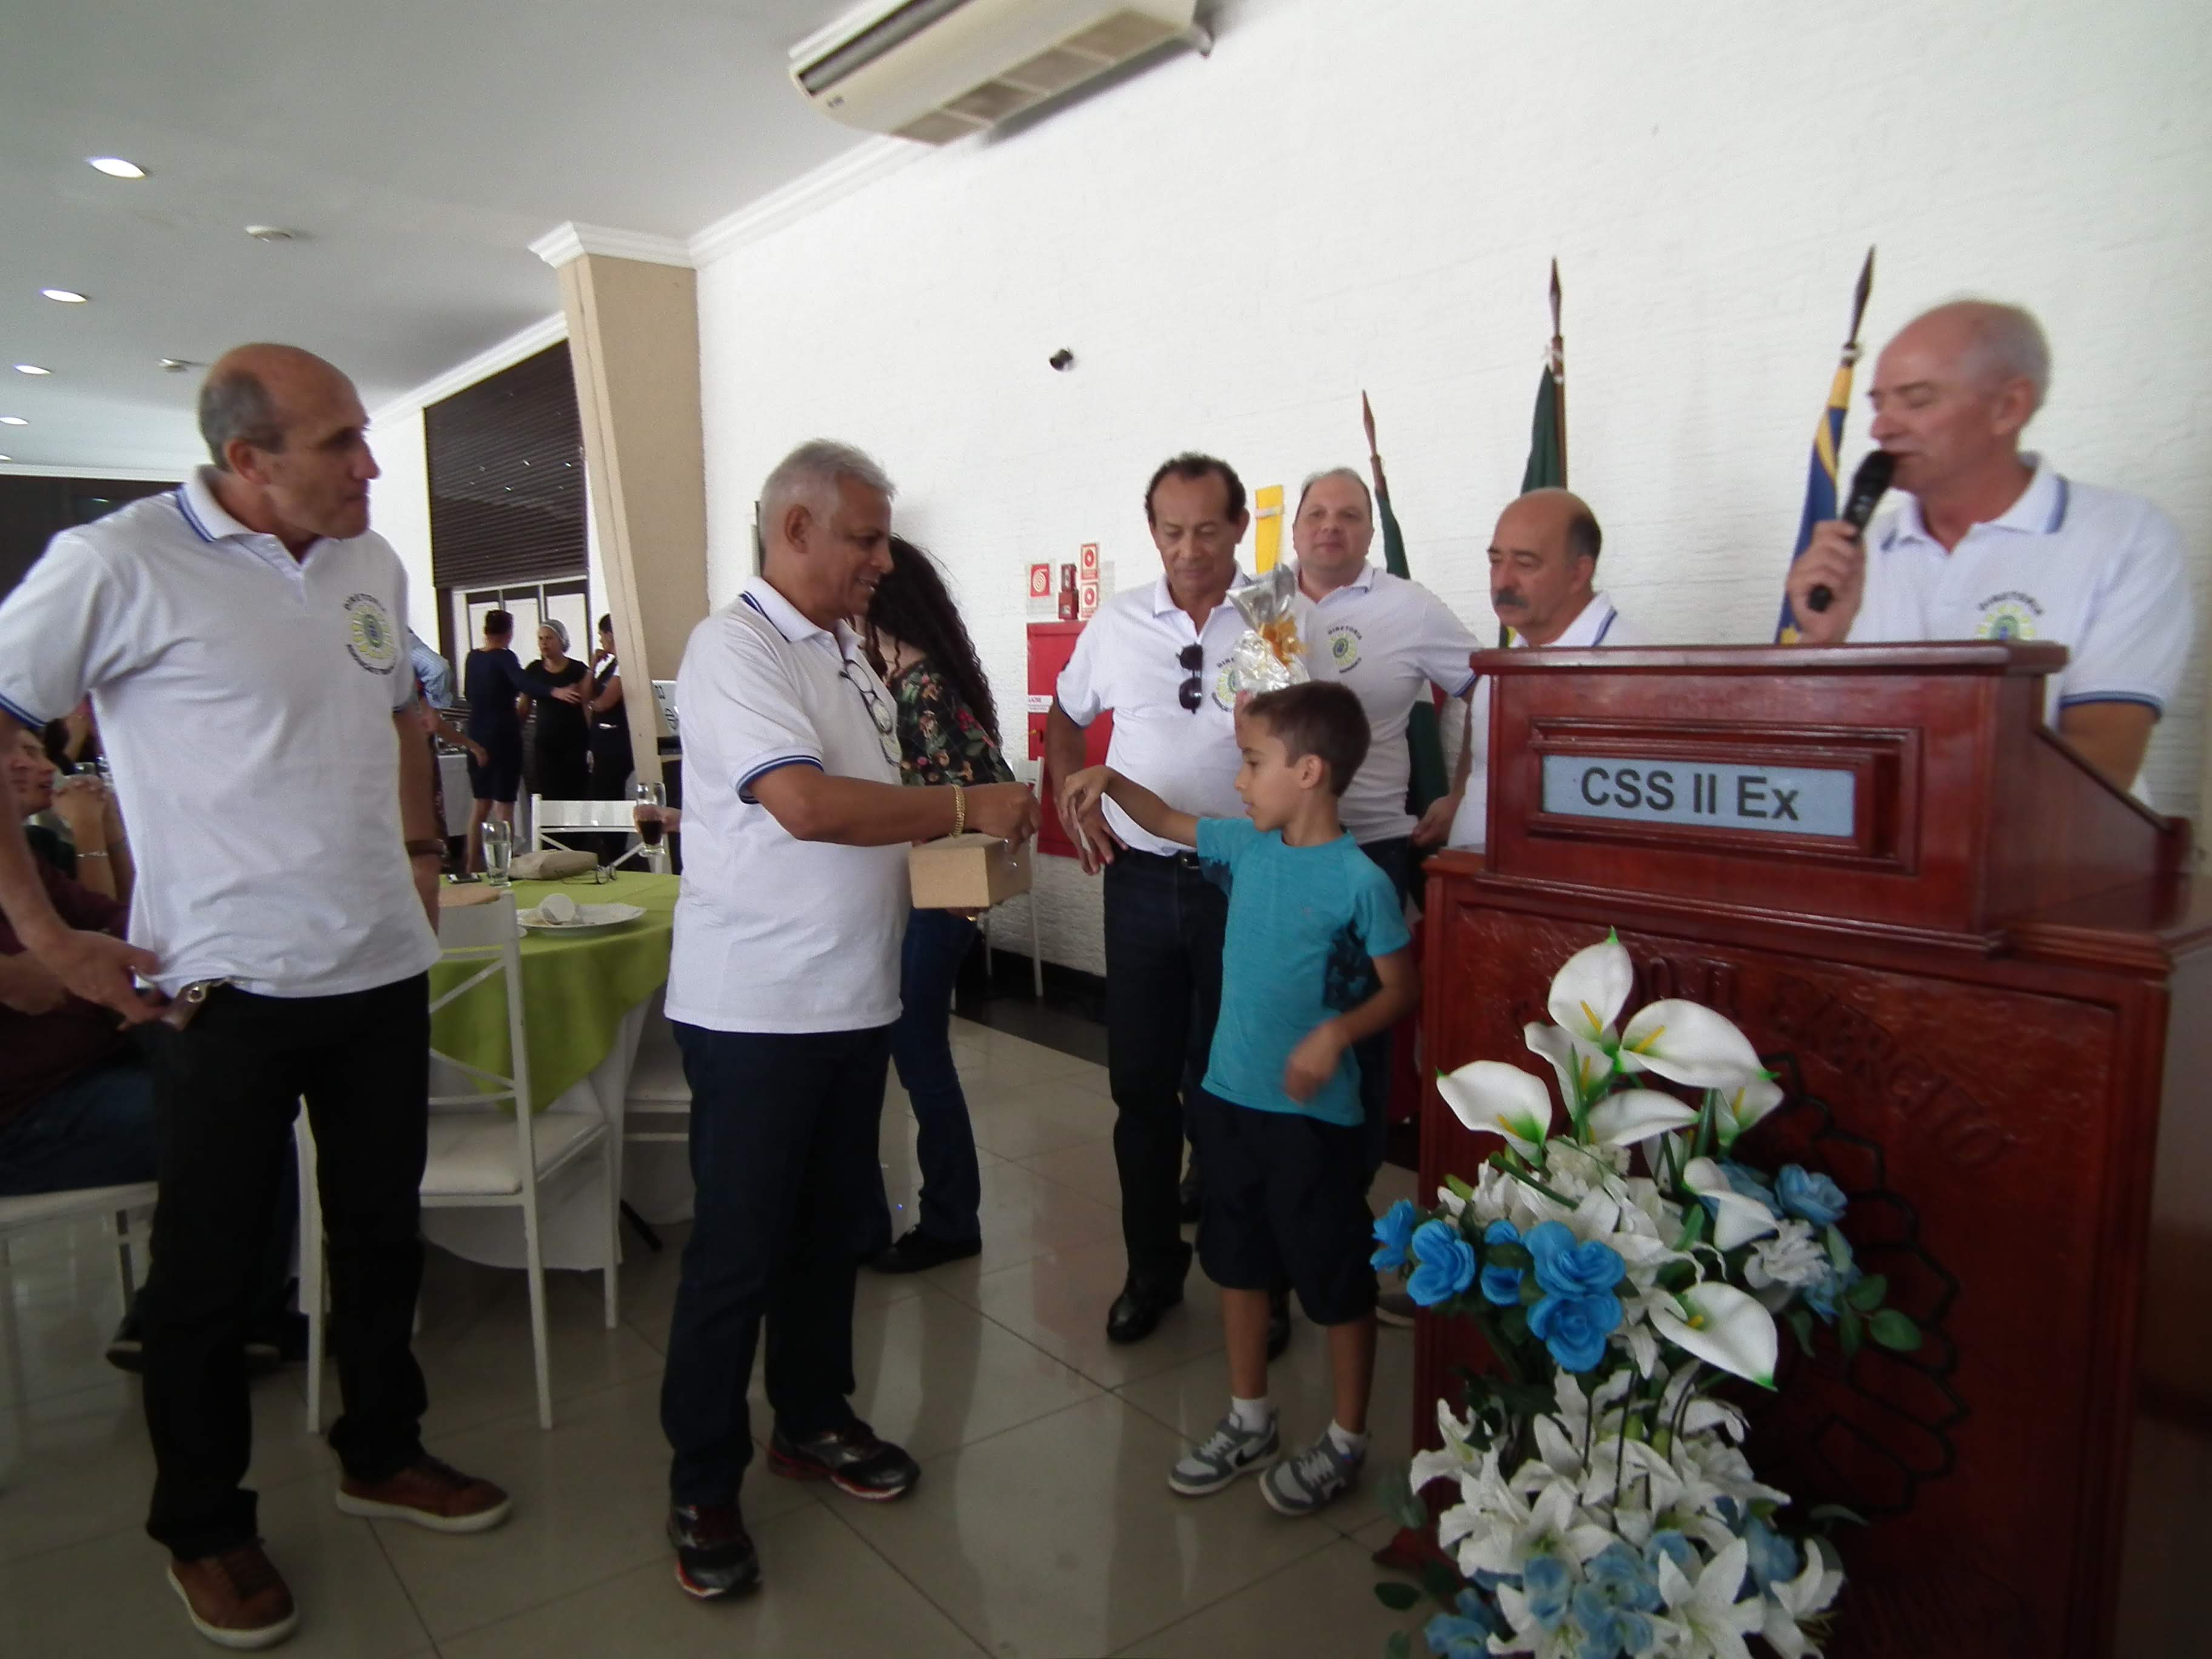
[(161, 471), (572, 241), (809, 192), (525, 343)]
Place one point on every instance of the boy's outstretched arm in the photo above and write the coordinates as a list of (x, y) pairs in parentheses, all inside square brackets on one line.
[(1314, 1060), (1154, 816)]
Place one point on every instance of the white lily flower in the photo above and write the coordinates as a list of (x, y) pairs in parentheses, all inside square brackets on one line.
[(1583, 1067), (1723, 1327), (1457, 1454), (1737, 1219), (1804, 1595), (1744, 1105), (1795, 1256), (1588, 990), (1550, 1528), (1490, 1097), (1709, 1607), (1688, 1042), (1634, 1114)]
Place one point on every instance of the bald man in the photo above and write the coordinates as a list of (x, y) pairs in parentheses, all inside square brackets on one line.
[(1543, 585), (1995, 544), (243, 641)]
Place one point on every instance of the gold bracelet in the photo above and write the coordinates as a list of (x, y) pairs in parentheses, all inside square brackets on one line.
[(959, 810)]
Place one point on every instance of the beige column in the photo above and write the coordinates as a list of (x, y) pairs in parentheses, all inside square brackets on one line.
[(633, 317)]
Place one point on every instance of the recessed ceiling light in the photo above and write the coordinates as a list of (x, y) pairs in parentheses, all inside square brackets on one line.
[(116, 167), (30, 368), (271, 234), (66, 297), (13, 420), (178, 365), (7, 457)]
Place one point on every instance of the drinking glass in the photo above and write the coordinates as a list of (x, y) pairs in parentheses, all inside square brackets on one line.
[(650, 799), (498, 852)]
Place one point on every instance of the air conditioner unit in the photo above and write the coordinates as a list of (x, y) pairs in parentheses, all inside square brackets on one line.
[(935, 71)]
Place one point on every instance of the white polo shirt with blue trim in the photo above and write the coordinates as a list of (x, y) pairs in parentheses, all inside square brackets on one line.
[(774, 934), (245, 700), (1389, 639), (2097, 571)]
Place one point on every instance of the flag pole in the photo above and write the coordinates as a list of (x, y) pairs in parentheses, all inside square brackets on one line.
[(1558, 373), (1374, 455), (1820, 491)]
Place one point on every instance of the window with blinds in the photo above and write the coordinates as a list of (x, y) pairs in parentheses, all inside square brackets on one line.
[(507, 477)]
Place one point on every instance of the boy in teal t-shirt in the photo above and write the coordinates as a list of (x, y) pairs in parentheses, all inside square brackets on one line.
[(1317, 958)]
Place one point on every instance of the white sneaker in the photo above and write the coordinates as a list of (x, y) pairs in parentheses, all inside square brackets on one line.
[(1223, 1455)]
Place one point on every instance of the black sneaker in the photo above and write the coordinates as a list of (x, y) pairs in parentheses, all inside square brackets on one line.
[(916, 1251), (714, 1554), (126, 1350), (851, 1459)]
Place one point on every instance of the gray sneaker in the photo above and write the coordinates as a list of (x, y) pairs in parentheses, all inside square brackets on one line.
[(1223, 1455), (1312, 1480)]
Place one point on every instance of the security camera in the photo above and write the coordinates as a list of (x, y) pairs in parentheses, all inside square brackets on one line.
[(1063, 359)]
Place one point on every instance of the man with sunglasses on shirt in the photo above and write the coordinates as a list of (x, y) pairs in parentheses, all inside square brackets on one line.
[(1158, 657)]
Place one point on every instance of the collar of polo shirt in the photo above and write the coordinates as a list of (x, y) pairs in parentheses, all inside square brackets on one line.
[(2040, 510), (1163, 596), (1360, 584), (789, 621)]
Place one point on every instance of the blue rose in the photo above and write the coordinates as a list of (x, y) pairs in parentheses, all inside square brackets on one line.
[(1822, 1296), (1608, 1631), (1749, 1183), (1575, 1327), (1566, 1267), (1501, 1286), (1675, 1547), (1465, 1632), (1394, 1231), (1811, 1198), (1620, 1578), (1773, 1558), (1445, 1264), (1544, 1582)]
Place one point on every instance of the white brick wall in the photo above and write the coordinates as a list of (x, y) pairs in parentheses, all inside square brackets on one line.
[(1364, 194)]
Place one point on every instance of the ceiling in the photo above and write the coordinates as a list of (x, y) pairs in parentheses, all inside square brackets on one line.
[(418, 146)]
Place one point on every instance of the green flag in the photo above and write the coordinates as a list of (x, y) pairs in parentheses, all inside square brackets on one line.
[(1429, 781), (1547, 429)]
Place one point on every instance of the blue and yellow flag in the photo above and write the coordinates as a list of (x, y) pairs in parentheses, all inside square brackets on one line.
[(1827, 447)]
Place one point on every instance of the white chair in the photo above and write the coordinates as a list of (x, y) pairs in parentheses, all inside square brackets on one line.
[(487, 1149), (116, 1205), (551, 819), (1036, 951), (657, 1108)]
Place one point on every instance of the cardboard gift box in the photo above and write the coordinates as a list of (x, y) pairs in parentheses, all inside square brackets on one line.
[(972, 872)]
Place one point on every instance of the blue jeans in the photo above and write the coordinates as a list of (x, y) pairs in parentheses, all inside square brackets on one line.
[(96, 1130), (790, 1201), (937, 942)]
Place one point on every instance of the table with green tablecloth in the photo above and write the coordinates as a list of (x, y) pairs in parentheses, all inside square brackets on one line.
[(587, 1000)]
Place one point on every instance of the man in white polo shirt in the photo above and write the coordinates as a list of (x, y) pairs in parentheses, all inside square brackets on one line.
[(1158, 657), (1543, 585), (1994, 545), (1389, 639), (783, 987), (242, 641)]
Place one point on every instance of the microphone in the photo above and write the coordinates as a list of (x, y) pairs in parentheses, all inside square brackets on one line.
[(1868, 484)]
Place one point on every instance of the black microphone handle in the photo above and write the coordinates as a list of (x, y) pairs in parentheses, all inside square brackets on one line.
[(1820, 598)]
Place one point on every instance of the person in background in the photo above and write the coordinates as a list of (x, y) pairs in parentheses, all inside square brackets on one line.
[(495, 683), (612, 760), (562, 747), (1995, 543), (432, 673), (948, 731), (1543, 585), (241, 636), (783, 986), (73, 741), (93, 854), (1317, 959)]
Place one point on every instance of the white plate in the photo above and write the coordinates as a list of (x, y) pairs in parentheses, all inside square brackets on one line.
[(590, 919)]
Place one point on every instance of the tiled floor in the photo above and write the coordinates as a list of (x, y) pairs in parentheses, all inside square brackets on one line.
[(1042, 1526)]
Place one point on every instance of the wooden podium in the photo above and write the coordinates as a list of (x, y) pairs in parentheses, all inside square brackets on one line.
[(1976, 968)]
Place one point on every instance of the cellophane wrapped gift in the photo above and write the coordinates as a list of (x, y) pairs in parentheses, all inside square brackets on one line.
[(1269, 655)]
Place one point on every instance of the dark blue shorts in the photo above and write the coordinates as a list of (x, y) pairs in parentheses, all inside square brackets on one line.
[(1286, 1199), (498, 775)]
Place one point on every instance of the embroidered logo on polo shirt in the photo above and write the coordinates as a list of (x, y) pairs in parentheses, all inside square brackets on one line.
[(1344, 647), (1224, 693), (2008, 615), (371, 640)]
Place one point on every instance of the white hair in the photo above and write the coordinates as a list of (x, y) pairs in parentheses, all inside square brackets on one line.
[(2005, 343), (810, 475)]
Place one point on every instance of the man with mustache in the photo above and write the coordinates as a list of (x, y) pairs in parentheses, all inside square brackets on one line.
[(1543, 575)]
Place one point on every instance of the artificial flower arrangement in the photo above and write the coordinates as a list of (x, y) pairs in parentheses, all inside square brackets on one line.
[(1621, 1272)]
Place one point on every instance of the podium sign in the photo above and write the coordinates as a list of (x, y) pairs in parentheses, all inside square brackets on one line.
[(1964, 954)]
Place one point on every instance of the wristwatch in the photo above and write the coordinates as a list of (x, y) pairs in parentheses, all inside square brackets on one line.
[(427, 848)]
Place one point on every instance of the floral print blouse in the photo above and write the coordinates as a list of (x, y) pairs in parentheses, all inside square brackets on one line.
[(941, 739)]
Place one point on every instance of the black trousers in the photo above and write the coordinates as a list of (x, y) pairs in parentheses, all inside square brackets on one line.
[(1164, 923), (226, 1090), (1394, 858), (790, 1201)]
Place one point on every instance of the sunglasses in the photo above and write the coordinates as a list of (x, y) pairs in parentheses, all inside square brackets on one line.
[(1192, 692), (881, 717)]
